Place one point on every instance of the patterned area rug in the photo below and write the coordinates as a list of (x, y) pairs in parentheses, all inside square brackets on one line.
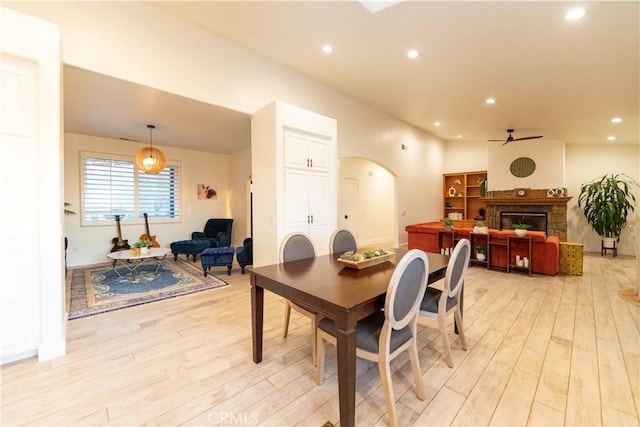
[(98, 289)]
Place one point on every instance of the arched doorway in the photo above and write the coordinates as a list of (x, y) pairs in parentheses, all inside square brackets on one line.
[(366, 201)]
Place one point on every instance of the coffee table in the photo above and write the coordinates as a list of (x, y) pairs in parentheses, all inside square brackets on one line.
[(132, 261)]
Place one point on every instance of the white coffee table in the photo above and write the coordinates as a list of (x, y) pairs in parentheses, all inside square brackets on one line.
[(132, 261)]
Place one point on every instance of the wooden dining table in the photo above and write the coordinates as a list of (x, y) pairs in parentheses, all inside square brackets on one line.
[(341, 293)]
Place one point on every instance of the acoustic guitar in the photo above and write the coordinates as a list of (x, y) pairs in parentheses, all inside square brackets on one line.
[(118, 243), (148, 236)]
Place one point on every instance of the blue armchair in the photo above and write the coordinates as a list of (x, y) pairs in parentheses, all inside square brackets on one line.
[(217, 231), (244, 253)]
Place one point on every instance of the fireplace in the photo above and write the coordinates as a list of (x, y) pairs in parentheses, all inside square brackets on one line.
[(536, 201), (537, 220)]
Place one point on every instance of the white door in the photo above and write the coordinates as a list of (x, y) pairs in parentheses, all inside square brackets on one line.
[(31, 253), (349, 215), (296, 211), (319, 211)]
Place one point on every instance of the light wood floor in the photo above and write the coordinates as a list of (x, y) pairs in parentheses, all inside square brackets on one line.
[(542, 351)]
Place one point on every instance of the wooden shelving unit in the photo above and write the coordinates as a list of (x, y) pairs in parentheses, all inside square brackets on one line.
[(461, 193)]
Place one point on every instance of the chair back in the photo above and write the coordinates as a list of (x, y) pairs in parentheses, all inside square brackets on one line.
[(296, 246), (456, 272), (406, 289), (341, 241)]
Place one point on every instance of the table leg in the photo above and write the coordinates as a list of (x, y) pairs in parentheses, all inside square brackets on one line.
[(257, 317), (346, 349)]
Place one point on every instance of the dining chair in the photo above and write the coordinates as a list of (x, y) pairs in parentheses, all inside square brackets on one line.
[(385, 334), (438, 303), (296, 246), (341, 241)]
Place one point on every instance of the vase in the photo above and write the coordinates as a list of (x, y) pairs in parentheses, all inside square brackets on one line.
[(521, 232)]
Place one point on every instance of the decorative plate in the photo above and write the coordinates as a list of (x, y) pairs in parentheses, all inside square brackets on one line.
[(522, 167)]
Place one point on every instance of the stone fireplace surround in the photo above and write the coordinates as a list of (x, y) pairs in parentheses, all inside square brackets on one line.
[(535, 200)]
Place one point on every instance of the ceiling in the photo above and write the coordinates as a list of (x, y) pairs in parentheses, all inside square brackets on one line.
[(561, 79)]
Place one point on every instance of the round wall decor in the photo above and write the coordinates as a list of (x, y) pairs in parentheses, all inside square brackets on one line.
[(522, 167)]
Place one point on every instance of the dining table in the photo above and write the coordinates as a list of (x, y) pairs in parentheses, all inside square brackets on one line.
[(342, 293)]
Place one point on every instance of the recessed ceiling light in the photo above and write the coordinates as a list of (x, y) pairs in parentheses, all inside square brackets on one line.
[(413, 53), (616, 120), (436, 124), (574, 14), (490, 101), (327, 48), (611, 138), (458, 136)]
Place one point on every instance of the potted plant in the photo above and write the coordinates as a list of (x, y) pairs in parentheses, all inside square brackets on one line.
[(606, 202), (521, 229), (142, 246), (481, 253), (480, 228), (448, 222)]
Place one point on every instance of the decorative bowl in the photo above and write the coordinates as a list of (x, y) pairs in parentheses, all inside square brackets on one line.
[(369, 262)]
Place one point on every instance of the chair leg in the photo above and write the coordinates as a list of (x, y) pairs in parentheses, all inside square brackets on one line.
[(442, 321), (320, 358), (415, 367), (287, 315), (385, 375), (458, 318), (314, 340)]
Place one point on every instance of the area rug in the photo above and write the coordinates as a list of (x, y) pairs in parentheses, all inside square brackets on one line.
[(98, 289)]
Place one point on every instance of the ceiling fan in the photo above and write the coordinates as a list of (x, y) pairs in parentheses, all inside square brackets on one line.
[(511, 138)]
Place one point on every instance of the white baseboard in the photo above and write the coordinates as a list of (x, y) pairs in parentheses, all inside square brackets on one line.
[(19, 356), (52, 349)]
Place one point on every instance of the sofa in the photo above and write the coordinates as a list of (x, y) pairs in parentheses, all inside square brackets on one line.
[(217, 231), (545, 250)]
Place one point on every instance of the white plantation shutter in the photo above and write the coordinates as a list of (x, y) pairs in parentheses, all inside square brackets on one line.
[(159, 194), (113, 186)]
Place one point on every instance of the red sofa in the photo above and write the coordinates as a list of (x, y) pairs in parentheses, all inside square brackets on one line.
[(545, 251)]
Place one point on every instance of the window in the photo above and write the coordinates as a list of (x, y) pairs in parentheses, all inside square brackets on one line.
[(112, 185)]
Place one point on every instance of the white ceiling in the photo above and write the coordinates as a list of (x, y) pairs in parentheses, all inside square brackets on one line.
[(564, 80)]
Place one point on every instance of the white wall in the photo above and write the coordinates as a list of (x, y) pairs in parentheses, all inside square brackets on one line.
[(548, 154), (466, 156), (586, 162), (90, 244), (166, 53), (376, 201)]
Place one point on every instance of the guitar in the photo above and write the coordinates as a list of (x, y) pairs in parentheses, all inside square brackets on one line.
[(118, 243), (148, 236)]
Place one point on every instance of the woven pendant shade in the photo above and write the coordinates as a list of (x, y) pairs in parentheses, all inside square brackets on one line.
[(149, 159)]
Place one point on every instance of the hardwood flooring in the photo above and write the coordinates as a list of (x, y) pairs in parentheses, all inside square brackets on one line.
[(561, 350)]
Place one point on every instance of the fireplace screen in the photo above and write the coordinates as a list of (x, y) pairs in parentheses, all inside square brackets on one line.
[(537, 220)]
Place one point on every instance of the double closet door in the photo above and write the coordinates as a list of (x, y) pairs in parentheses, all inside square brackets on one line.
[(307, 185)]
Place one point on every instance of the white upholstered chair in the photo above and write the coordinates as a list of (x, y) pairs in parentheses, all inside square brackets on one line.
[(439, 304), (386, 334), (297, 246), (341, 241)]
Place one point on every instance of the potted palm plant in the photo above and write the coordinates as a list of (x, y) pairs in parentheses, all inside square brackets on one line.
[(481, 253), (606, 202), (448, 222)]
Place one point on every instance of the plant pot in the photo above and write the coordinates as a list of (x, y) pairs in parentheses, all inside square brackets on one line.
[(144, 251), (521, 232), (609, 242), (481, 230), (481, 257), (447, 228)]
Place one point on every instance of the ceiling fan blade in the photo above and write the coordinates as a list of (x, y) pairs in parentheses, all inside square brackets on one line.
[(527, 137), (508, 141), (495, 140)]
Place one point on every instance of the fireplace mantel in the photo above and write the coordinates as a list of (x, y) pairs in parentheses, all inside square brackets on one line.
[(531, 201)]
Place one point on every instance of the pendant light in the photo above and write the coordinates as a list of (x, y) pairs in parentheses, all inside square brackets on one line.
[(149, 159)]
